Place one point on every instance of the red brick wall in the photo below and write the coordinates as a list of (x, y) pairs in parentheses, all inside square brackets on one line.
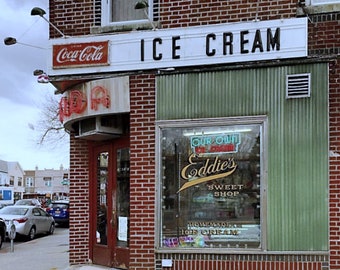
[(324, 34), (72, 17), (142, 172), (334, 166), (183, 13), (76, 17), (79, 201)]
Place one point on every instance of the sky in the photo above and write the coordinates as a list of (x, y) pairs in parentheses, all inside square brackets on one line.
[(21, 96)]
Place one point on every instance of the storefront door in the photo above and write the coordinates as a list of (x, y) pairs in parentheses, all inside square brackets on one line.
[(110, 171)]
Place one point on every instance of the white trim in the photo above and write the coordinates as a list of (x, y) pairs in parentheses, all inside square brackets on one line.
[(321, 2)]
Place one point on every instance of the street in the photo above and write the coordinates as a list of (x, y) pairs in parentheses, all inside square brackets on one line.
[(46, 252)]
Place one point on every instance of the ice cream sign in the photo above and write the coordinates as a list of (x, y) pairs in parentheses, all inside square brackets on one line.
[(203, 168), (213, 144)]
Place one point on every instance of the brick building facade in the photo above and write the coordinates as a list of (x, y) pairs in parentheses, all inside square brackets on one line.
[(277, 150)]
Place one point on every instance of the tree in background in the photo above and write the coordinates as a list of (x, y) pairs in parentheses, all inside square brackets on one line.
[(50, 130)]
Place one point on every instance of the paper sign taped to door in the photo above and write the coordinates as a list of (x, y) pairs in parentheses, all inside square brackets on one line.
[(122, 228)]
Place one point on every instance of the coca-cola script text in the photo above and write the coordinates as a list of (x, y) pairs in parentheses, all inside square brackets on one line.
[(81, 54)]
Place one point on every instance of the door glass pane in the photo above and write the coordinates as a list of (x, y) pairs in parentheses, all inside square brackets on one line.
[(102, 185), (123, 195)]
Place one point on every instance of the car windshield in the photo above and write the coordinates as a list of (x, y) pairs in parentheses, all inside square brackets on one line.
[(23, 202), (21, 211), (26, 202)]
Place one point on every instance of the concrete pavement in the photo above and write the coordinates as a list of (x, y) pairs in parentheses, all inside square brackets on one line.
[(89, 267), (43, 253)]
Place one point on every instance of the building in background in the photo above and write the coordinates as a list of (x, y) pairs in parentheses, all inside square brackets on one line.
[(29, 184), (6, 191), (16, 179), (47, 184), (4, 179), (11, 182), (204, 134)]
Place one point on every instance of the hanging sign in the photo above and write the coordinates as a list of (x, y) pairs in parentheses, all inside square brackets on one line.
[(180, 47)]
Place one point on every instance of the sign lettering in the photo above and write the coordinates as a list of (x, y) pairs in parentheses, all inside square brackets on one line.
[(211, 170)]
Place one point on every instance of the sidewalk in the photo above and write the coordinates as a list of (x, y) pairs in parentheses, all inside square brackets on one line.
[(43, 253), (89, 267)]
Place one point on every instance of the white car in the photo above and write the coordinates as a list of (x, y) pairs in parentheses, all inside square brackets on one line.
[(34, 202), (28, 220)]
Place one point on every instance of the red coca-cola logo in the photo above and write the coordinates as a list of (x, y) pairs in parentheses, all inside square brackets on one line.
[(80, 54)]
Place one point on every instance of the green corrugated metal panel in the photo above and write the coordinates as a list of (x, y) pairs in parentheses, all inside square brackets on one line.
[(297, 184)]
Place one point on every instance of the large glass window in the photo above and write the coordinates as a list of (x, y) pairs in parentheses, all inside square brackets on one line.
[(211, 185), (125, 11)]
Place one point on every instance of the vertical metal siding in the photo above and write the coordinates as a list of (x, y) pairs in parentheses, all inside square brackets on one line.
[(297, 184)]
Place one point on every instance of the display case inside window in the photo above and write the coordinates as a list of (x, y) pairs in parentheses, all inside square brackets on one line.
[(211, 186)]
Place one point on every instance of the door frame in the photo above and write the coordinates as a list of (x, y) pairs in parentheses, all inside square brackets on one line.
[(110, 254)]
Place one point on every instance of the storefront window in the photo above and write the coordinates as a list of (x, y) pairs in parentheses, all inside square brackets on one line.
[(211, 185)]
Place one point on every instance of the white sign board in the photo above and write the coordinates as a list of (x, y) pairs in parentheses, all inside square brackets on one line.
[(194, 46)]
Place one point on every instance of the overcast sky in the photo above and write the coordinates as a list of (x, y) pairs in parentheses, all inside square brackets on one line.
[(21, 96)]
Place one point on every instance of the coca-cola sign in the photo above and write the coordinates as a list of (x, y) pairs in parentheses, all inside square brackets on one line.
[(81, 54)]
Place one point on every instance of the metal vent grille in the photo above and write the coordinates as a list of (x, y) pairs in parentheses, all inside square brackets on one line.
[(298, 85)]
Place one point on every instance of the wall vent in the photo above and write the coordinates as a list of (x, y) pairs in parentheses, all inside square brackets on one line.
[(298, 85), (100, 128)]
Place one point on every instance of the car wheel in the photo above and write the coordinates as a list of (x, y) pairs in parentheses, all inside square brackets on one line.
[(51, 230), (31, 234), (1, 240)]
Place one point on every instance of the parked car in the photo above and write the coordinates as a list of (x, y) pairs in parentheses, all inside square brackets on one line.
[(2, 231), (60, 211), (4, 205), (34, 202), (28, 220)]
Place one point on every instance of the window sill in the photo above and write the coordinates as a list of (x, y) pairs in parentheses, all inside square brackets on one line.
[(121, 28), (327, 8), (234, 251)]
